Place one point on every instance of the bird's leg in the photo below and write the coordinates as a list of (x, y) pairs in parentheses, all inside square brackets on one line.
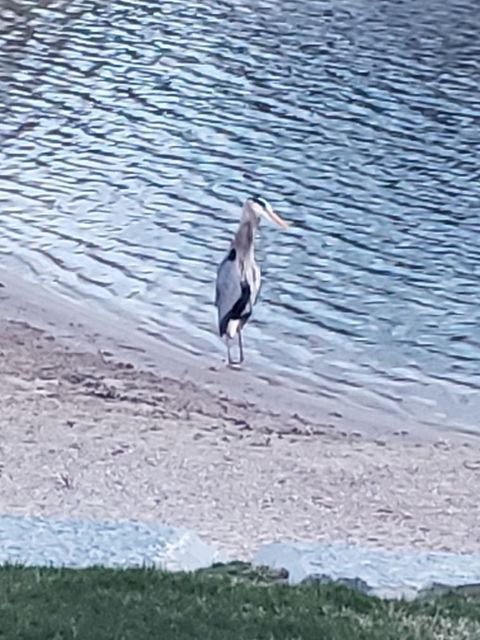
[(240, 346), (231, 361), (229, 355)]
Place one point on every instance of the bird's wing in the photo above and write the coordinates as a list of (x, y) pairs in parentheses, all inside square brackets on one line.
[(228, 291)]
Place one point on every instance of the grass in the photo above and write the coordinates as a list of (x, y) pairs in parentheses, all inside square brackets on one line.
[(229, 602)]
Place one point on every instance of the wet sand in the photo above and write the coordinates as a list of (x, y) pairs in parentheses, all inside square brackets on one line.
[(92, 427)]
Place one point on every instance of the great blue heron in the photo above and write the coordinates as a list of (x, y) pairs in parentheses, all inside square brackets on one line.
[(238, 276)]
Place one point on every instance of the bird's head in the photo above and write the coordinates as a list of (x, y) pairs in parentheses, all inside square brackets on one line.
[(259, 208)]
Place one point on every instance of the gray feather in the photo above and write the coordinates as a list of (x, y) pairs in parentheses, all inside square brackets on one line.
[(229, 288)]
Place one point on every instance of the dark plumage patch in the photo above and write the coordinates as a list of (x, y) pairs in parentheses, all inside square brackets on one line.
[(237, 312), (259, 201)]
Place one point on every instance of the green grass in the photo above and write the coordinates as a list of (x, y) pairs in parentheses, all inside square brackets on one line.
[(232, 602)]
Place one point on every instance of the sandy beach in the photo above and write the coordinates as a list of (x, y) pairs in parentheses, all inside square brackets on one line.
[(89, 429)]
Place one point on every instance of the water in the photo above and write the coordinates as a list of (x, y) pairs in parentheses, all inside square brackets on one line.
[(131, 132)]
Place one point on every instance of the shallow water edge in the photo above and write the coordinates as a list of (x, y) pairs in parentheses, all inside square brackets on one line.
[(117, 337)]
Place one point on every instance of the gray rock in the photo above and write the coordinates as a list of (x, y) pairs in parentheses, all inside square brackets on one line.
[(83, 543), (379, 572), (352, 583)]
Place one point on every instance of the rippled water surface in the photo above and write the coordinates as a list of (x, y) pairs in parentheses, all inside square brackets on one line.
[(131, 132)]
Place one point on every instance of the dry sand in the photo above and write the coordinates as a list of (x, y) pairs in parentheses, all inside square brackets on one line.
[(88, 435)]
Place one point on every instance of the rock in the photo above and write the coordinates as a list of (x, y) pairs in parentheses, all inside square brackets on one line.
[(403, 574), (35, 541), (352, 583)]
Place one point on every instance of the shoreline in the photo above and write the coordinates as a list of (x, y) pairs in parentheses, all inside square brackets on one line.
[(95, 426), (89, 326)]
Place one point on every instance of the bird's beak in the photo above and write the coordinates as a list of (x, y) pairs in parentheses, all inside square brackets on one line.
[(277, 219)]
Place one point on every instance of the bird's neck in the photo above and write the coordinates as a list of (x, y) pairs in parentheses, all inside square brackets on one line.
[(245, 237)]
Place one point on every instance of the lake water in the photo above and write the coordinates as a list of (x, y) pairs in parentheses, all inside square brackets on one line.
[(131, 132)]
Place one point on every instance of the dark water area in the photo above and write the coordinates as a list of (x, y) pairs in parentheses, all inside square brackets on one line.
[(131, 132)]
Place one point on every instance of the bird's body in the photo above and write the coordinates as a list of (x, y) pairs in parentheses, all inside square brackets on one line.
[(239, 276)]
